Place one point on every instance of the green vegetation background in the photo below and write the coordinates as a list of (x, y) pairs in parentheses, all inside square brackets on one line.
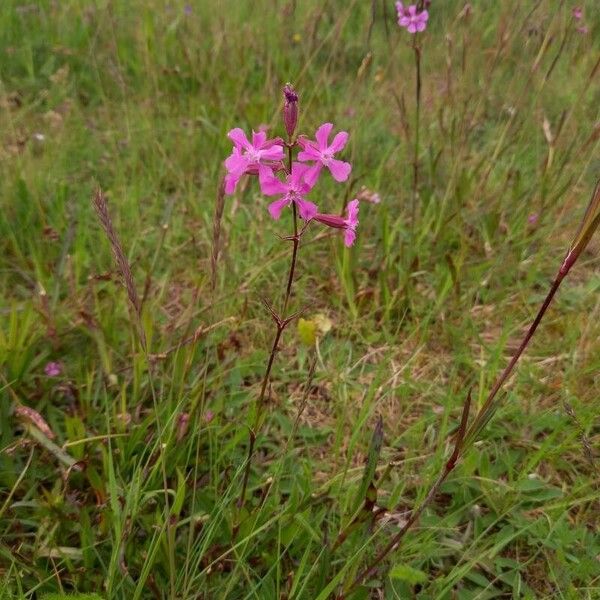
[(137, 96)]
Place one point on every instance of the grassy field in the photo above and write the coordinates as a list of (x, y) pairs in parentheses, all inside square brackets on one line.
[(132, 490)]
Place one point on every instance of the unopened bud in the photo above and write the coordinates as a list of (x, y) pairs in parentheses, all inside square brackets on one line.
[(290, 109)]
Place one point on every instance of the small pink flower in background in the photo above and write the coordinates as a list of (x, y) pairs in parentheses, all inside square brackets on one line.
[(410, 18), (183, 423), (583, 29), (367, 195), (250, 157), (577, 13), (322, 153), (349, 224), (532, 219), (293, 189), (53, 369)]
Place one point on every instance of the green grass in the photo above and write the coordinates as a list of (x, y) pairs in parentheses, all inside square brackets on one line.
[(137, 97)]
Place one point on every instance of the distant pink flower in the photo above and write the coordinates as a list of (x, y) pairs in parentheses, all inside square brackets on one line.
[(409, 18), (53, 369), (532, 219), (293, 189), (577, 13), (322, 153), (367, 195), (348, 224), (583, 29), (250, 157)]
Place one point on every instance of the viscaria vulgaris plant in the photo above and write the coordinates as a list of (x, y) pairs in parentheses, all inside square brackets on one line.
[(288, 170), (414, 18)]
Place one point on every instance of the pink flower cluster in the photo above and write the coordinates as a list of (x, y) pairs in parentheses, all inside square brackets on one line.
[(577, 13), (411, 18), (265, 158)]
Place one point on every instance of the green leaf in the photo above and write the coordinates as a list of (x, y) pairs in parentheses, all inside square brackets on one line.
[(371, 464), (307, 332), (408, 574)]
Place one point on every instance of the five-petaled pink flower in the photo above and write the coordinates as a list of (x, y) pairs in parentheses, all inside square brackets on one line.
[(410, 18), (348, 224), (247, 157), (293, 189), (322, 153), (53, 369)]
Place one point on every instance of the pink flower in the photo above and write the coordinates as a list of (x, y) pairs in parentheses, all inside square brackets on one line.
[(322, 153), (583, 29), (348, 224), (411, 19), (250, 157), (53, 369), (293, 189), (577, 12)]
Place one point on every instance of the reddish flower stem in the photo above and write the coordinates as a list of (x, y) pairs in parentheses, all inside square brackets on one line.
[(415, 186), (281, 324), (466, 437)]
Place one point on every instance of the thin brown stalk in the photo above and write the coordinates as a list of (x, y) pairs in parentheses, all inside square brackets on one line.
[(394, 543), (467, 435), (415, 183), (216, 238)]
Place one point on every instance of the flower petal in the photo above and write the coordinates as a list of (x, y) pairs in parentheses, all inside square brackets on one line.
[(339, 141), (349, 237), (312, 175), (296, 177), (238, 137), (322, 135), (339, 169), (276, 207), (273, 153), (352, 213), (236, 163), (269, 184), (259, 138), (309, 154), (306, 208), (230, 183)]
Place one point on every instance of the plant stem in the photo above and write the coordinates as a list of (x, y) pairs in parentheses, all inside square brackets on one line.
[(296, 243), (415, 185), (468, 435), (281, 323)]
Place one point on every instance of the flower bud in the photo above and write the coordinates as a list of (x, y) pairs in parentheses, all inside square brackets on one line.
[(290, 109)]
